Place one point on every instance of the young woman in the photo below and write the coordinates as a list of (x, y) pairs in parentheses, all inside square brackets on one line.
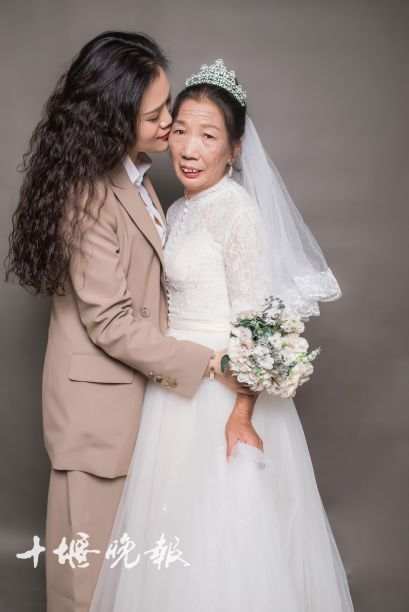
[(89, 231), (193, 530)]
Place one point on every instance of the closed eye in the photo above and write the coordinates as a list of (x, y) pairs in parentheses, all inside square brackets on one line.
[(209, 136)]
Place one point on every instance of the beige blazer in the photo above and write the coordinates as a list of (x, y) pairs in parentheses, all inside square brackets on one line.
[(106, 339)]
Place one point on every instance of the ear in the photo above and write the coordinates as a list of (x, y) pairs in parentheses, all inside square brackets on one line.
[(236, 150)]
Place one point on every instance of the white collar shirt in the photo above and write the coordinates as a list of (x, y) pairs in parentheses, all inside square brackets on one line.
[(136, 173)]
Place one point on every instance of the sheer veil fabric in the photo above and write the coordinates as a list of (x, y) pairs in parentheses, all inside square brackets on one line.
[(298, 269)]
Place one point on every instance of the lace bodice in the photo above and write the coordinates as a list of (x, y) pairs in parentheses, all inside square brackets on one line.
[(214, 255)]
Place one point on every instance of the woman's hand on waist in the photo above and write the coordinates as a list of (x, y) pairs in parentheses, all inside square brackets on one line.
[(239, 425)]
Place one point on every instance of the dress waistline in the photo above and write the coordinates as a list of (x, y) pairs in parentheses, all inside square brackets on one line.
[(180, 323)]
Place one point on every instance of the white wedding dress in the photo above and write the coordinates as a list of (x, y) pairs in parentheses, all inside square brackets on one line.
[(215, 536)]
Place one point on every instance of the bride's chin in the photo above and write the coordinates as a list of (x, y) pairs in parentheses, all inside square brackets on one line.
[(187, 182)]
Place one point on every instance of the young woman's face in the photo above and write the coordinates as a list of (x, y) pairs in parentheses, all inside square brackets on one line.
[(199, 145), (154, 118)]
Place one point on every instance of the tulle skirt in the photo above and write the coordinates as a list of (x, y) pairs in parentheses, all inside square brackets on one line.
[(209, 535)]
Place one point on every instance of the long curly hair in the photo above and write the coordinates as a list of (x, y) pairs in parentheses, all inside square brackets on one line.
[(88, 124)]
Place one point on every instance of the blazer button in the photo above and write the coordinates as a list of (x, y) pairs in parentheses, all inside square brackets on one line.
[(145, 312)]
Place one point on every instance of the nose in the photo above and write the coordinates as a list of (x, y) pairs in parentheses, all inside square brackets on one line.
[(166, 120), (189, 150)]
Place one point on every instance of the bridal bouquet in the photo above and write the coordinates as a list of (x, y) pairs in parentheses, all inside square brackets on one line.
[(267, 352)]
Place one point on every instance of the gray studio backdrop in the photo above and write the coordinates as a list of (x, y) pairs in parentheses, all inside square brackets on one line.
[(328, 92)]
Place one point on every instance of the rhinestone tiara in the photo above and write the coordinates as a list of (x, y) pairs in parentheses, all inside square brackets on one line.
[(217, 74)]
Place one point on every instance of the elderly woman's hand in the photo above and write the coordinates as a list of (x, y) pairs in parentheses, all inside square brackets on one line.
[(239, 425)]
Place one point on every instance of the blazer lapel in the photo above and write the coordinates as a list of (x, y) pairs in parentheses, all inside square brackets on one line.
[(128, 195)]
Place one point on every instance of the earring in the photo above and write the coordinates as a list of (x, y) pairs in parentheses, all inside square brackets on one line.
[(230, 172)]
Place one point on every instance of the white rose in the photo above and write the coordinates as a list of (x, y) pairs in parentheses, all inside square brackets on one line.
[(292, 323), (296, 343), (266, 362), (260, 350), (287, 356), (276, 340), (246, 337)]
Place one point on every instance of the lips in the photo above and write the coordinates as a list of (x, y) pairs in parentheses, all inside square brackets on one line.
[(190, 172), (165, 137)]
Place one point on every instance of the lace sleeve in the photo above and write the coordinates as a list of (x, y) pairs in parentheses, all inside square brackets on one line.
[(248, 281)]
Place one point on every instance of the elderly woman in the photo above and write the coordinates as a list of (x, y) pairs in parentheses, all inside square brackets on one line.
[(238, 529)]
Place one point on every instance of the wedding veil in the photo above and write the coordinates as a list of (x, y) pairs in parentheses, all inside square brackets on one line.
[(299, 272)]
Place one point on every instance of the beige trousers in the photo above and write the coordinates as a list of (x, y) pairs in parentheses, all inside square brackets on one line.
[(85, 503)]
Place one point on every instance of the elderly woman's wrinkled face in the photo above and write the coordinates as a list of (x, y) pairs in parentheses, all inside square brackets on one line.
[(199, 145)]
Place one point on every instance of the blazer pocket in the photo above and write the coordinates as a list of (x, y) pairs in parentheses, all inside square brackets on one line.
[(98, 368)]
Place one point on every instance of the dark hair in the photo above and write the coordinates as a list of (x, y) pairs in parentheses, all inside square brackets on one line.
[(89, 122), (233, 112)]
